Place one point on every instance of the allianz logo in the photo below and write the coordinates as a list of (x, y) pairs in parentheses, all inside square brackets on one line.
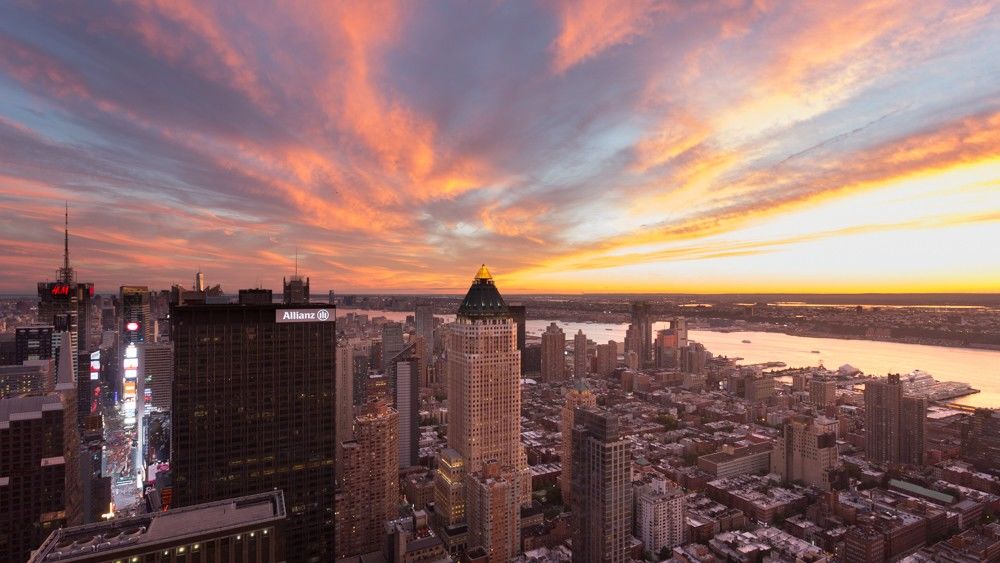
[(320, 315)]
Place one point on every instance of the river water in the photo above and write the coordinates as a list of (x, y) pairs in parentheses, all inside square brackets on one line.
[(979, 368)]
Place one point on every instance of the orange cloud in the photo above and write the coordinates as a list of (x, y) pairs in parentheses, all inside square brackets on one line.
[(590, 27), (212, 51)]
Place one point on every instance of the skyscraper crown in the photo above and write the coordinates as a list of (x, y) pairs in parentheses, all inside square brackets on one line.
[(483, 299)]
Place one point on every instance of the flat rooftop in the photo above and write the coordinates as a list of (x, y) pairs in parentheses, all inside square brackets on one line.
[(174, 525)]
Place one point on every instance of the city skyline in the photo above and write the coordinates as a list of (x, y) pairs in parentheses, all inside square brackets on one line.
[(573, 146)]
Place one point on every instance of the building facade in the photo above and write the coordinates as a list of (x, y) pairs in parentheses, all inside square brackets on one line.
[(484, 407), (602, 488), (579, 395), (806, 451), (254, 409), (895, 424), (642, 325), (33, 472), (581, 359), (553, 354), (370, 494), (659, 516)]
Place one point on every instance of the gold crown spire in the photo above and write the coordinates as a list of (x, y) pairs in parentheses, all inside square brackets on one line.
[(483, 273)]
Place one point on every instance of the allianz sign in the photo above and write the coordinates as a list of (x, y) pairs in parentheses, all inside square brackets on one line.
[(302, 316)]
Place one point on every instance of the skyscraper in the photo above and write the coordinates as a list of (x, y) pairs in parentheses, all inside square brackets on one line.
[(581, 359), (643, 323), (579, 396), (70, 300), (392, 344), (484, 419), (407, 402), (295, 289), (254, 409), (423, 317), (553, 354), (370, 495), (519, 314), (806, 451), (894, 424), (344, 389), (199, 282), (33, 472), (135, 328), (33, 343), (156, 370), (602, 488)]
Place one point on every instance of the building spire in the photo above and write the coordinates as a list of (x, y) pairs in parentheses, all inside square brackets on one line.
[(66, 238), (66, 273)]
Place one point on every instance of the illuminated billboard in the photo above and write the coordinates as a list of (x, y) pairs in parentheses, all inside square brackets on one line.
[(95, 365), (303, 316), (131, 373)]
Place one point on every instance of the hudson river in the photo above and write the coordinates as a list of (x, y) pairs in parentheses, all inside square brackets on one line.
[(979, 368)]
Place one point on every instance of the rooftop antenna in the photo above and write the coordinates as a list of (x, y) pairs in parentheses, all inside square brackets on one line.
[(66, 273)]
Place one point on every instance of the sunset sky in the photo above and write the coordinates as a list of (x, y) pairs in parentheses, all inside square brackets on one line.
[(573, 146)]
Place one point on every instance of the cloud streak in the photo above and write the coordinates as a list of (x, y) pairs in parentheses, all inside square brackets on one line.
[(396, 147)]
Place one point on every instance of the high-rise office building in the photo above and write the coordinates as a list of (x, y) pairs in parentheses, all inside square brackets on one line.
[(520, 316), (249, 528), (806, 450), (31, 376), (602, 488), (33, 343), (581, 357), (66, 387), (392, 344), (254, 409), (95, 483), (553, 354), (67, 303), (407, 403), (578, 396), (449, 488), (199, 282), (135, 329), (659, 516), (295, 289), (894, 424), (643, 325), (423, 317), (362, 363), (484, 418), (156, 371), (33, 472), (370, 495), (136, 320)]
